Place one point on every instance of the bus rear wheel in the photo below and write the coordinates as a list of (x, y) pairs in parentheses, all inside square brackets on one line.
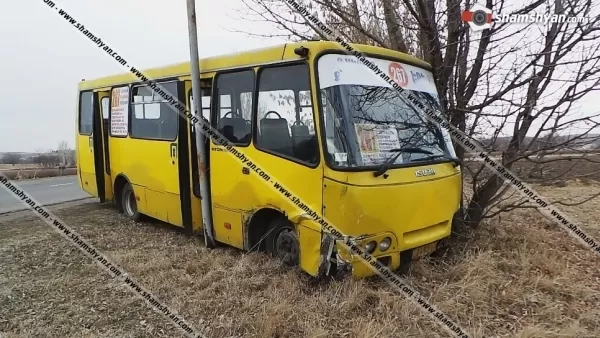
[(283, 243), (129, 203)]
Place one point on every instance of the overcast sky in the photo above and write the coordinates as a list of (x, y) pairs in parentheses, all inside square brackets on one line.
[(43, 57)]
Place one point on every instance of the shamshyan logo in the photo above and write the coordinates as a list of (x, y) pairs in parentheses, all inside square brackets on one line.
[(478, 17)]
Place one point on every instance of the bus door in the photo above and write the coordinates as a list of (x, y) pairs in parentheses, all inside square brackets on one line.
[(196, 206), (229, 178), (152, 152), (104, 98), (90, 152)]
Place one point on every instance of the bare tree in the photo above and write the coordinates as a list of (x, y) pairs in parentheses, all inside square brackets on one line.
[(37, 159), (63, 148), (11, 158), (46, 158), (72, 157), (516, 87)]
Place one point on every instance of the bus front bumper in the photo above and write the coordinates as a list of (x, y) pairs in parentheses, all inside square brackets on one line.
[(345, 261)]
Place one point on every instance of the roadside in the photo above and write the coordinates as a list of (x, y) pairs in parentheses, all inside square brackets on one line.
[(519, 275), (33, 173), (48, 191), (16, 214)]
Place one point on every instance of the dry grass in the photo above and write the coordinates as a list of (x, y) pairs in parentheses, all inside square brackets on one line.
[(519, 276)]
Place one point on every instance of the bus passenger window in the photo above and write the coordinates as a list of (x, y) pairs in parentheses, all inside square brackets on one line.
[(153, 118), (232, 120), (205, 106), (246, 105), (86, 113), (285, 115)]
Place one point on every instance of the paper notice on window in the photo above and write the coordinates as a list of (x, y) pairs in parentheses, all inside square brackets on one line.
[(119, 112), (341, 157), (104, 103), (376, 141)]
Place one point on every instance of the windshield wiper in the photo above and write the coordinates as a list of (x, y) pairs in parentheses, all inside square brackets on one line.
[(386, 165), (455, 161)]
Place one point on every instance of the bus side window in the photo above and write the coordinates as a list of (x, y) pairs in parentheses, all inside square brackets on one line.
[(306, 112), (285, 114), (153, 118), (230, 121), (86, 113), (205, 105)]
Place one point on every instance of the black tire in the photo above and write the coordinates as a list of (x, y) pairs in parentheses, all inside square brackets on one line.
[(282, 242), (129, 204)]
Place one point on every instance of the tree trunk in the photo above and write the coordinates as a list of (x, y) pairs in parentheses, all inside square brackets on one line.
[(393, 27), (480, 201)]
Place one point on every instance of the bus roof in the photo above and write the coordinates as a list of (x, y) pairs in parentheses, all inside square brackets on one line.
[(242, 59)]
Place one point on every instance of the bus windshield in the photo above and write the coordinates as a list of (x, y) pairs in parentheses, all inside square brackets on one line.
[(367, 121)]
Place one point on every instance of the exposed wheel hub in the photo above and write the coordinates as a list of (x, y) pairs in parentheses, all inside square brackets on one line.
[(286, 247), (130, 204)]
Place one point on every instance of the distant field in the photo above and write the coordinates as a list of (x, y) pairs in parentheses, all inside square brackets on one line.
[(32, 173), (19, 166), (557, 169)]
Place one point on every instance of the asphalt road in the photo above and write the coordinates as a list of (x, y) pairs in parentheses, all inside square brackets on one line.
[(49, 190)]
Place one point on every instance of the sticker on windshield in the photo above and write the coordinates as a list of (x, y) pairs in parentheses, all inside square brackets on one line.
[(337, 75), (376, 141), (418, 76), (398, 74), (340, 157), (335, 70)]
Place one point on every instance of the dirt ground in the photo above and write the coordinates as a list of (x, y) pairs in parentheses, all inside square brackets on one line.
[(520, 275)]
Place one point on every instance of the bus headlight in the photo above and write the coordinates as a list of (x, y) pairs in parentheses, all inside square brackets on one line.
[(370, 247), (385, 244)]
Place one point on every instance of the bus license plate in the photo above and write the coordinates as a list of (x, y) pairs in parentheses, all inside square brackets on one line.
[(424, 250)]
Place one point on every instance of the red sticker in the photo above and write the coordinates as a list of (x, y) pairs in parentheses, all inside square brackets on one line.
[(398, 74)]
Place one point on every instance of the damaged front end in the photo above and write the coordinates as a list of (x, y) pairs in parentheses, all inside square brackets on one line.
[(331, 262), (324, 255), (338, 260)]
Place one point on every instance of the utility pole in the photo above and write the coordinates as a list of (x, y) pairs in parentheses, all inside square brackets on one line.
[(207, 224)]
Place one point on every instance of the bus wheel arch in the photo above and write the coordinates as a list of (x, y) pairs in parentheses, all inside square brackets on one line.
[(270, 231), (258, 227)]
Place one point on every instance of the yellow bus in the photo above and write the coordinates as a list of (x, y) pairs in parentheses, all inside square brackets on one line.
[(318, 121)]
